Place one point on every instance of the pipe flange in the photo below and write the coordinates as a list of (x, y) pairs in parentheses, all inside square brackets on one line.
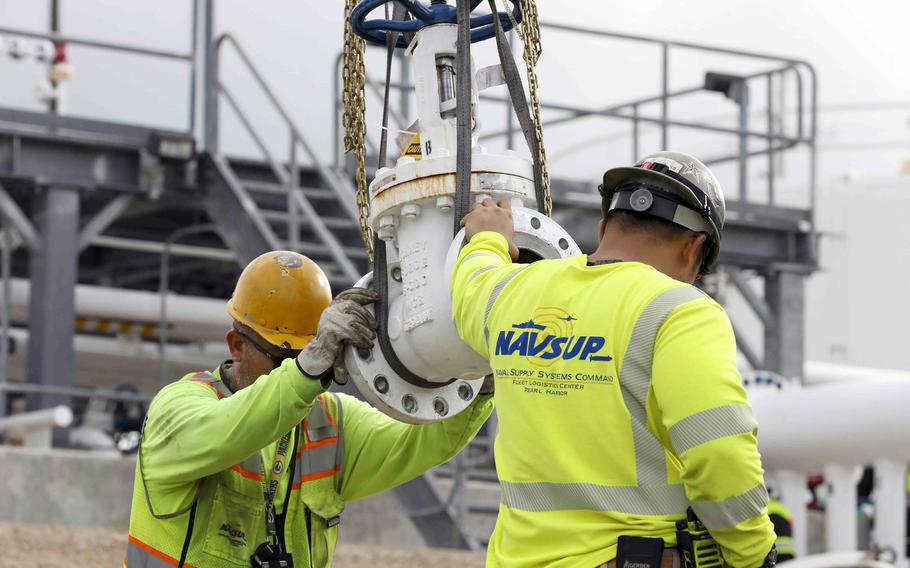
[(396, 397)]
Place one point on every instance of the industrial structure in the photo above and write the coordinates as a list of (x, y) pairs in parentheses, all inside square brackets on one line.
[(129, 231)]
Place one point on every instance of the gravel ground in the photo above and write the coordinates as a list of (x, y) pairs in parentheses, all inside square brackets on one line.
[(50, 546)]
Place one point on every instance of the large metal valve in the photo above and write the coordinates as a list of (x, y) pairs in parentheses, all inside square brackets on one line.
[(375, 30), (418, 370)]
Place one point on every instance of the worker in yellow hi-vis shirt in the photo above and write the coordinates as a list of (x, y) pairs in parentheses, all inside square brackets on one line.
[(620, 404), (252, 463)]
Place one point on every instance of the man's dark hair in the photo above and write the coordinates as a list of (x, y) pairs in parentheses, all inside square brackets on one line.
[(661, 229), (632, 221)]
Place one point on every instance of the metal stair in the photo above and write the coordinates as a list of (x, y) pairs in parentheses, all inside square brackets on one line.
[(259, 212)]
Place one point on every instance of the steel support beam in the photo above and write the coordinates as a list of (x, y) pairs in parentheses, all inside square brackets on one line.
[(784, 340), (103, 219), (51, 307), (18, 220)]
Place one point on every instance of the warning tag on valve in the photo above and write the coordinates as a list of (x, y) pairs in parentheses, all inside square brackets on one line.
[(413, 148)]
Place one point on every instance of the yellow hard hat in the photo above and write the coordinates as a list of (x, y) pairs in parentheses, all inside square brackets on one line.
[(280, 295)]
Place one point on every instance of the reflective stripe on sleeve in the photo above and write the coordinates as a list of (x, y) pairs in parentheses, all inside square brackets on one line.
[(635, 379), (480, 271), (537, 497), (711, 424), (730, 512), (494, 295), (141, 555), (480, 254)]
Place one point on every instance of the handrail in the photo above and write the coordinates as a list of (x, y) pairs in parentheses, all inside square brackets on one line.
[(342, 189), (297, 200), (60, 38), (190, 57), (776, 139)]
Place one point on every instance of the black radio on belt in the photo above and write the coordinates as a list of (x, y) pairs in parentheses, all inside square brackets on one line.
[(639, 552), (269, 556)]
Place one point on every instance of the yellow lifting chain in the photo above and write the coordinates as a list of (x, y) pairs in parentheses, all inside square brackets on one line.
[(354, 118)]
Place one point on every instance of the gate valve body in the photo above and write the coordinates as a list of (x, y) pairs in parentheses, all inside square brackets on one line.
[(424, 372)]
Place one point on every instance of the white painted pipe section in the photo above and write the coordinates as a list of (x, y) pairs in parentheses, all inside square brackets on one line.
[(200, 355), (189, 317), (818, 372), (836, 560), (35, 428), (802, 429), (891, 507), (59, 416), (791, 486), (840, 511)]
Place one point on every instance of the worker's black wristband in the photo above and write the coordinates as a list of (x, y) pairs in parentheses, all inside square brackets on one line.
[(325, 377)]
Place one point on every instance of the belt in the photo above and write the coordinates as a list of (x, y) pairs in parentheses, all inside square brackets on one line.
[(670, 559)]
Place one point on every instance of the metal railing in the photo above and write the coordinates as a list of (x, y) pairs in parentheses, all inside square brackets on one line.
[(289, 177), (191, 57), (775, 140)]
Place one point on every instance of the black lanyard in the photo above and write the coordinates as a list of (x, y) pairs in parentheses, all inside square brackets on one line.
[(269, 490)]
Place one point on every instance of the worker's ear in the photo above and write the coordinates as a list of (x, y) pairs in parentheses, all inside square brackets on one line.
[(235, 345), (601, 230), (693, 252)]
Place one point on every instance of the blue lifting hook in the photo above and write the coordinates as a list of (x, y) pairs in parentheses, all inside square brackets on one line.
[(438, 12)]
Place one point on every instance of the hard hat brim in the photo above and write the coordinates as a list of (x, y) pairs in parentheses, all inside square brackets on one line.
[(274, 337)]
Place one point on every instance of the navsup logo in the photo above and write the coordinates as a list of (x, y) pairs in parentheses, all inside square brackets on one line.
[(550, 336)]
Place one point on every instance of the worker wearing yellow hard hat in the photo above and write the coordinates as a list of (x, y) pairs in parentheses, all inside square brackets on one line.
[(252, 463), (625, 435)]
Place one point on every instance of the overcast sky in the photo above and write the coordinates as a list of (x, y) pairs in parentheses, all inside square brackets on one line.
[(859, 49)]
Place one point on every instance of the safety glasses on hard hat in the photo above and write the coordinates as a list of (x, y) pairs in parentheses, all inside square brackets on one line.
[(276, 358)]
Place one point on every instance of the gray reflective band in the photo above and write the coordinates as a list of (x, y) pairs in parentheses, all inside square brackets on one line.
[(635, 379), (214, 382), (318, 425), (480, 271), (479, 254), (252, 463), (730, 512), (136, 557), (339, 447), (711, 424), (537, 497), (317, 460), (497, 290)]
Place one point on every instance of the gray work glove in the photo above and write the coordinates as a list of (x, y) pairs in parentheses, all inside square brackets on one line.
[(345, 322)]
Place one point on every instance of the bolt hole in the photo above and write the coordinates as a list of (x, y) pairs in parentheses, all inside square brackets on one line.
[(409, 403), (396, 274), (465, 392), (364, 354), (563, 244), (535, 222), (440, 406), (381, 384)]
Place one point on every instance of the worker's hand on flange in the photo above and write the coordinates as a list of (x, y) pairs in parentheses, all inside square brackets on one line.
[(491, 216), (345, 322)]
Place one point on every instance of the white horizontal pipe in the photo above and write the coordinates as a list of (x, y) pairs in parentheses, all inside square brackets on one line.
[(60, 416), (817, 372), (201, 355), (836, 560), (189, 317), (848, 423)]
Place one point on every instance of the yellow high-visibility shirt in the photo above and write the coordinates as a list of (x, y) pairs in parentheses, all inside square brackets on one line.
[(620, 405)]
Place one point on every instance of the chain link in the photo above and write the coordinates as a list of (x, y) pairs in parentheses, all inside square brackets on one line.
[(354, 119), (529, 32)]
